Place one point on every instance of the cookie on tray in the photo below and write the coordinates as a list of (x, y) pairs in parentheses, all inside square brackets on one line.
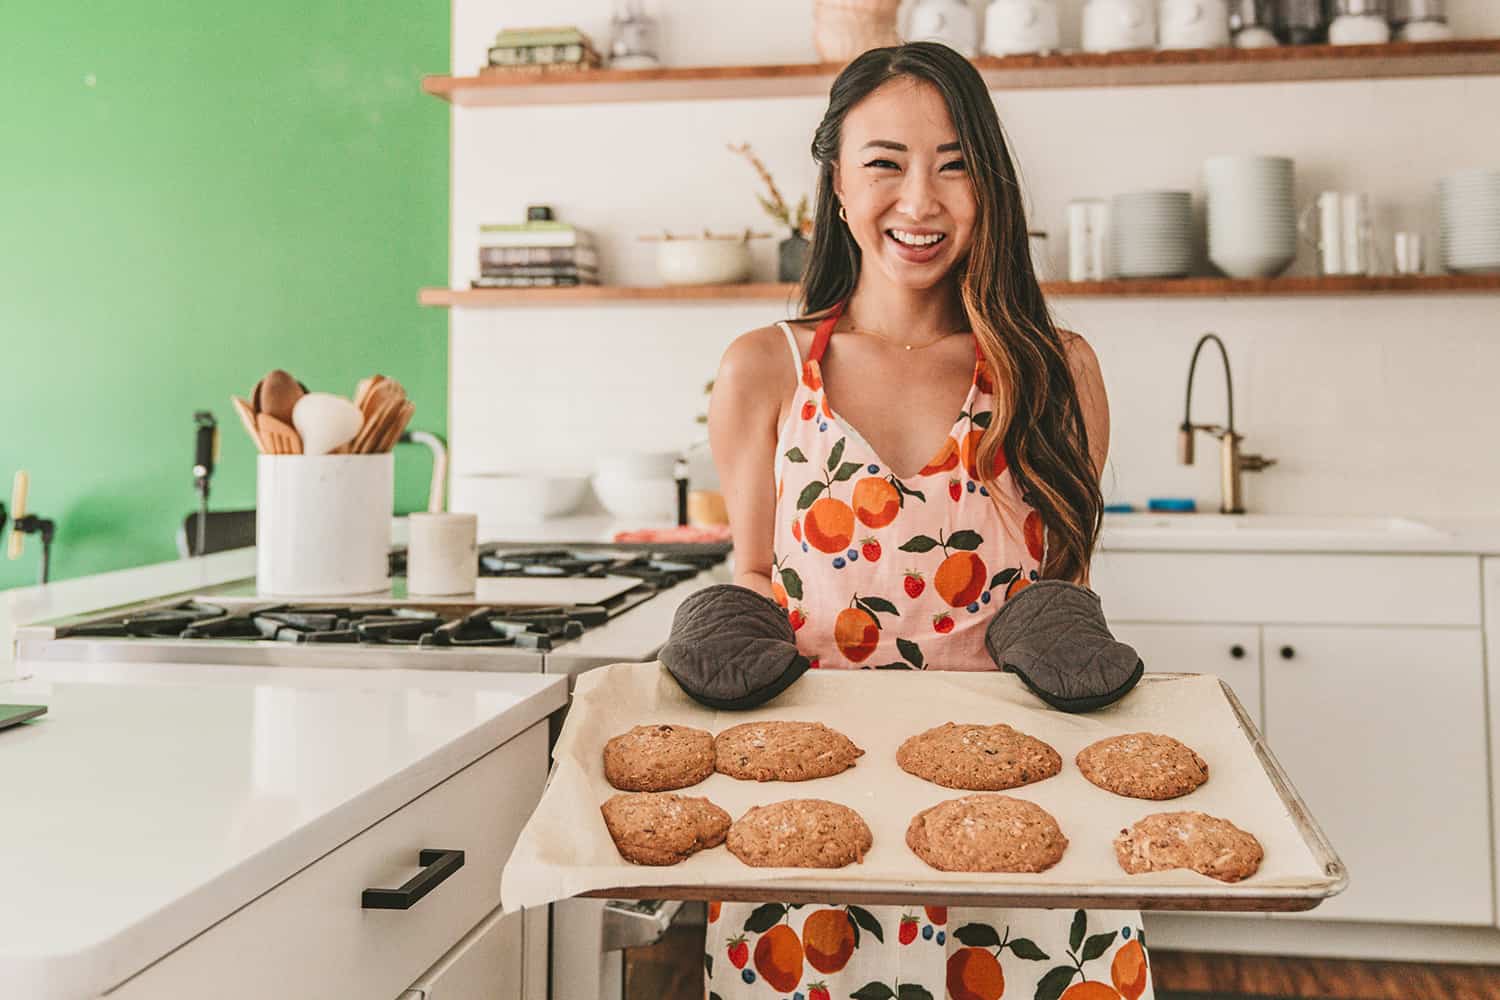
[(783, 751), (978, 758), (1143, 766), (800, 833), (986, 833), (661, 828), (1206, 844), (658, 758)]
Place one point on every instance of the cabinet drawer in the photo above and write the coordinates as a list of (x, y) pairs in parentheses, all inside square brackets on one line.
[(485, 965), (1311, 589), (310, 937), (1230, 652)]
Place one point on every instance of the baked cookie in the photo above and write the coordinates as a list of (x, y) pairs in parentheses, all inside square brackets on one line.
[(978, 758), (1206, 844), (986, 833), (658, 758), (1143, 766), (660, 828), (800, 833), (783, 751)]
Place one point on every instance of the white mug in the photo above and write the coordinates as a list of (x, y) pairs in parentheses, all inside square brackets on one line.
[(1408, 255), (1016, 26), (1193, 24), (442, 553), (1117, 25)]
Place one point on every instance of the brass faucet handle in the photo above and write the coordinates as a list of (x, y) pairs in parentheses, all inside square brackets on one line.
[(1255, 463)]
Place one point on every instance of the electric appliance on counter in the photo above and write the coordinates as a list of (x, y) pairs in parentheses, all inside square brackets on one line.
[(633, 593)]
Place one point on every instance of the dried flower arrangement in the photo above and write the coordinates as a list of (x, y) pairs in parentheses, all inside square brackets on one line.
[(798, 220)]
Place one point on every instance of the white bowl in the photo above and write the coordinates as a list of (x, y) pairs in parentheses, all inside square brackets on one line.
[(638, 465), (1251, 265), (505, 498), (703, 261), (644, 500)]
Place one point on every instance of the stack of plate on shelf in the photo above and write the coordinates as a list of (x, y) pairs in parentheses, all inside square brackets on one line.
[(1470, 202), (1151, 234), (1252, 220)]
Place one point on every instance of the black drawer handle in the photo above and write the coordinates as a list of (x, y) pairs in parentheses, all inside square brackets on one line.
[(1237, 651), (1287, 652), (436, 867)]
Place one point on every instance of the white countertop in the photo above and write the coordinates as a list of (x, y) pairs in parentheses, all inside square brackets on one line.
[(152, 801)]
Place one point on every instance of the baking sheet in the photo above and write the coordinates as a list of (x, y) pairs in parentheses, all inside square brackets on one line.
[(548, 590), (565, 849)]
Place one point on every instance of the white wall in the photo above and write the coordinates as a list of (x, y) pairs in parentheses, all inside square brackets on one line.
[(1372, 404)]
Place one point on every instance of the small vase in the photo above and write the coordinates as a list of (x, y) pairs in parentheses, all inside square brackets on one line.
[(791, 257)]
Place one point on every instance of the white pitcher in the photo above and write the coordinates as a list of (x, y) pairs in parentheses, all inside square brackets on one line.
[(951, 22), (1118, 25), (1012, 27)]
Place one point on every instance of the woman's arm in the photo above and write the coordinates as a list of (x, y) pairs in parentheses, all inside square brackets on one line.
[(755, 375), (1092, 399)]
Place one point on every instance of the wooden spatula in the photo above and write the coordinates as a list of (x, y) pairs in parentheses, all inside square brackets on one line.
[(279, 437)]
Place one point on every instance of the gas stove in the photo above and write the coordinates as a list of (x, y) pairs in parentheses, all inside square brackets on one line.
[(233, 625)]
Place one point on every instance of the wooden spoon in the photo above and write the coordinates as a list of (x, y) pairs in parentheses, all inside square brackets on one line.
[(280, 437), (362, 391), (279, 394), (397, 425), (247, 417), (374, 426)]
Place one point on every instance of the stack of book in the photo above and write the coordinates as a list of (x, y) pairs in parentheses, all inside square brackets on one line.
[(538, 49), (536, 255)]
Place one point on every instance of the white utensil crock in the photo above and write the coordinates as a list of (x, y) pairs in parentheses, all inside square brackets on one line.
[(323, 524)]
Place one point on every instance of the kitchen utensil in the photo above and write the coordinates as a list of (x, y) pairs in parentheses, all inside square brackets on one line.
[(842, 29), (1016, 26), (398, 425), (1088, 232), (322, 524), (1193, 24), (1301, 22), (442, 553), (205, 455), (362, 390), (950, 22), (325, 421), (246, 413), (545, 591), (1407, 253), (1117, 25), (279, 438), (279, 393)]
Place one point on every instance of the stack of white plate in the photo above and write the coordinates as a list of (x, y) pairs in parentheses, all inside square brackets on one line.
[(1252, 219), (1470, 201), (1151, 234)]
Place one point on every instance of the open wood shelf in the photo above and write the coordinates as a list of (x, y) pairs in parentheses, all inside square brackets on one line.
[(1119, 288), (1455, 57)]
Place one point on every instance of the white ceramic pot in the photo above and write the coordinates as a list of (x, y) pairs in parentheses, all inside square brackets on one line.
[(442, 554), (699, 261), (1012, 27), (517, 498), (639, 465), (951, 22), (1193, 24), (647, 501), (323, 524), (1118, 25)]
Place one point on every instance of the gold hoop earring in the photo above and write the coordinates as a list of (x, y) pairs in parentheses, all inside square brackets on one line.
[(843, 215)]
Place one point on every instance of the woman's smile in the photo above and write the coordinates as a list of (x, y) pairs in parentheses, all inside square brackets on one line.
[(917, 246)]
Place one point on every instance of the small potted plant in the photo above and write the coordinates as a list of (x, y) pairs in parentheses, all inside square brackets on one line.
[(792, 251)]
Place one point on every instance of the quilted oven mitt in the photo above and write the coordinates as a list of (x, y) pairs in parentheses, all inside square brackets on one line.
[(1054, 637), (732, 648)]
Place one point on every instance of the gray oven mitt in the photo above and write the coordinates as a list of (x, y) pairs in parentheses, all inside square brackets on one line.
[(732, 648), (1054, 637)]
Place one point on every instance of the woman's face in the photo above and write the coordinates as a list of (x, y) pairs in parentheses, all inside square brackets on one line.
[(901, 179)]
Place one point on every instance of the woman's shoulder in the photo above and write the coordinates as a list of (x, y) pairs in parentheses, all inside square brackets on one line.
[(758, 358)]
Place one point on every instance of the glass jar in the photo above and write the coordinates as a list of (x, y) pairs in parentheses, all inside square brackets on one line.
[(1420, 20), (633, 38), (1300, 22)]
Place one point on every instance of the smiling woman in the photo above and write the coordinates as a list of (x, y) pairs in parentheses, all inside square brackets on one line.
[(930, 448)]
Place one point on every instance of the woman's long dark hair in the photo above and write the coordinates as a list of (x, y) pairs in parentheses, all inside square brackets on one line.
[(1038, 420)]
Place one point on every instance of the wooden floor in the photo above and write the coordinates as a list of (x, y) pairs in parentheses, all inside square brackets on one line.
[(673, 968)]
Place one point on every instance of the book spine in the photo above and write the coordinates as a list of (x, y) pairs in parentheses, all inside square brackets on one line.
[(505, 256), (511, 282)]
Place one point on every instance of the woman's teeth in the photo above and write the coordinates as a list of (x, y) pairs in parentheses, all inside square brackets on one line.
[(913, 240)]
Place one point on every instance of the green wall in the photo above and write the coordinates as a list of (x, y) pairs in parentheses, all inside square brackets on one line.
[(192, 194)]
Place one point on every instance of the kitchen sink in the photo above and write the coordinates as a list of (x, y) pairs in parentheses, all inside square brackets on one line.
[(1120, 528)]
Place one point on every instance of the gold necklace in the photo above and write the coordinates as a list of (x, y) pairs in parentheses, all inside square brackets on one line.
[(910, 347)]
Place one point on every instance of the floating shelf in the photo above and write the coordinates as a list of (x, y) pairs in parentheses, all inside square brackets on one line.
[(1131, 288), (1455, 57)]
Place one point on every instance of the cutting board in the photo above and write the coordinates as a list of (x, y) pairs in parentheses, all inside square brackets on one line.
[(541, 590)]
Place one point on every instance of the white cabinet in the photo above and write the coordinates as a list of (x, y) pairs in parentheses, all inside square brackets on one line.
[(1232, 652), (485, 965), (310, 937), (1383, 733)]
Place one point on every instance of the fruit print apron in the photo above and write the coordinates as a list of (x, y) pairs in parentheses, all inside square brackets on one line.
[(882, 571)]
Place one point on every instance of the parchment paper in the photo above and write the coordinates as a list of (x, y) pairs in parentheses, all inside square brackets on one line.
[(566, 850)]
